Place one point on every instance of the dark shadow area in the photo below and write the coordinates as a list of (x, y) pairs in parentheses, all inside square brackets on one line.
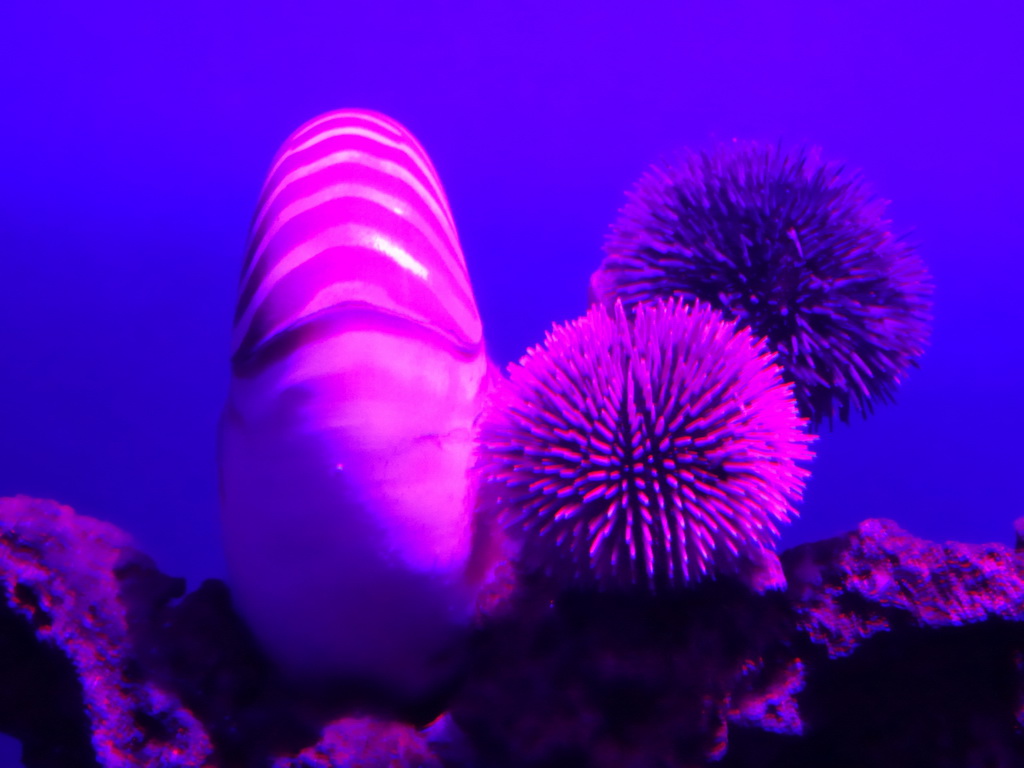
[(917, 698), (41, 699)]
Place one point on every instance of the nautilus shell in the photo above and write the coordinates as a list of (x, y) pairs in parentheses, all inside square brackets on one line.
[(357, 372)]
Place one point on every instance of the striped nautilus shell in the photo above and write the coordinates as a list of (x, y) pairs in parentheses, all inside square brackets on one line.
[(357, 372)]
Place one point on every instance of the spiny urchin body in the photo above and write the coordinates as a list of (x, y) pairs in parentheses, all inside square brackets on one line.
[(649, 451), (793, 247)]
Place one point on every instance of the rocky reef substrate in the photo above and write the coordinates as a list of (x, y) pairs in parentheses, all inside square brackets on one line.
[(881, 650)]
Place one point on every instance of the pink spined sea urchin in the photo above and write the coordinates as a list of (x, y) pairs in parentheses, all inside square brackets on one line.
[(650, 450), (796, 248)]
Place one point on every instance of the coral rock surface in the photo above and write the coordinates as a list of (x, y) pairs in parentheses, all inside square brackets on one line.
[(882, 650)]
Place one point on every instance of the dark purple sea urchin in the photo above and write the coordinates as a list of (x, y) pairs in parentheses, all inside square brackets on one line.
[(644, 451), (795, 248)]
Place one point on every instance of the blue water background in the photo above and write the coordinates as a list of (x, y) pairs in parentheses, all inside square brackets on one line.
[(135, 137)]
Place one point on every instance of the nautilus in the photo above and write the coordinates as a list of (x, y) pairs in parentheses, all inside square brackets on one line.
[(358, 369)]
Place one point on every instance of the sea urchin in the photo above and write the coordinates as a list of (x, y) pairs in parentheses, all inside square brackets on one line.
[(795, 248), (646, 450)]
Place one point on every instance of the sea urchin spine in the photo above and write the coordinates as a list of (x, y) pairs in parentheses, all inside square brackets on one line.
[(646, 450)]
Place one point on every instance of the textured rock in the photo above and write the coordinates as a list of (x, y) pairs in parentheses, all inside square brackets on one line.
[(102, 664), (59, 575), (915, 658), (768, 699), (773, 679), (883, 651), (605, 679), (879, 577), (365, 743)]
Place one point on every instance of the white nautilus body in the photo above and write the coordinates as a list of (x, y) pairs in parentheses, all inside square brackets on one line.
[(357, 372)]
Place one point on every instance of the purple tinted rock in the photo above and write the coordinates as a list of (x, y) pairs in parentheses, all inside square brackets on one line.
[(912, 656), (58, 571), (41, 699), (101, 663), (767, 700), (885, 651), (359, 742), (879, 576), (879, 637), (201, 649), (589, 678)]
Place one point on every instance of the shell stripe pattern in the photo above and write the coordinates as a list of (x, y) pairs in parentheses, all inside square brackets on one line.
[(351, 217)]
